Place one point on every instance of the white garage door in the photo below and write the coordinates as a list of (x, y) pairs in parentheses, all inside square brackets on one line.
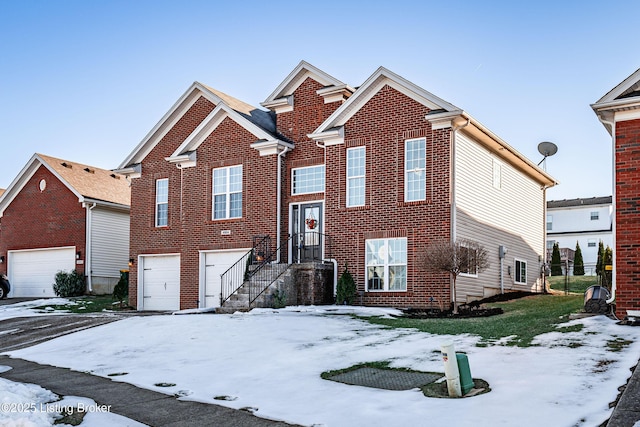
[(32, 272), (216, 263), (160, 282)]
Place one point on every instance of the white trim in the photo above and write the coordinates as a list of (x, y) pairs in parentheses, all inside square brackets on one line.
[(516, 260), (347, 177), (296, 77), (157, 181), (227, 193), (416, 170), (293, 193), (386, 266), (621, 116)]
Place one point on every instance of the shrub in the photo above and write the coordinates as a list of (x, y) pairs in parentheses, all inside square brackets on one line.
[(578, 262), (346, 289), (121, 290), (69, 284)]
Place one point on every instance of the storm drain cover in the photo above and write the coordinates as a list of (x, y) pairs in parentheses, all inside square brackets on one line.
[(388, 379)]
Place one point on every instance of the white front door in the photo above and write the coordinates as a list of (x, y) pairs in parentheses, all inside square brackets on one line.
[(160, 282), (214, 264)]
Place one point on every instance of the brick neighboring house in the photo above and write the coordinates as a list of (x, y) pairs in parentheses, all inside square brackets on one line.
[(619, 112), (364, 177), (62, 215)]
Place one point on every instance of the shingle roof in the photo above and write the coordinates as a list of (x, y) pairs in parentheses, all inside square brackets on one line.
[(262, 118), (91, 182), (565, 203)]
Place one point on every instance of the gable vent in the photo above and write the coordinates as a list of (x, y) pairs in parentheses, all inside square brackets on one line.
[(113, 175), (89, 170), (66, 165)]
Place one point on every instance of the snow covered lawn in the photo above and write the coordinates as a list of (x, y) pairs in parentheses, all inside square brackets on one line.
[(271, 361)]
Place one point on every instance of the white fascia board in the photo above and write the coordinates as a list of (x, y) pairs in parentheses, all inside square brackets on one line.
[(333, 136), (280, 105), (183, 161), (620, 88), (19, 182), (133, 171), (274, 146), (335, 93), (297, 76), (89, 201), (446, 119), (168, 121)]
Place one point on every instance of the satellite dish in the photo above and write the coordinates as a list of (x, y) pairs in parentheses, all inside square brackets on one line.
[(547, 149)]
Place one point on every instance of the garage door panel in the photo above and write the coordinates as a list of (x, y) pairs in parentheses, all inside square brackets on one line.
[(216, 263), (161, 282), (32, 272)]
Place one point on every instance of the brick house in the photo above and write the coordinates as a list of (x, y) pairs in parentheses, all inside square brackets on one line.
[(619, 112), (62, 215), (365, 177)]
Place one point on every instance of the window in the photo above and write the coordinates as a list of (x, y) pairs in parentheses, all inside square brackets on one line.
[(386, 261), (497, 175), (550, 244), (521, 271), (414, 170), (549, 222), (356, 176), (595, 216), (162, 202), (308, 180), (591, 243), (468, 263), (227, 192)]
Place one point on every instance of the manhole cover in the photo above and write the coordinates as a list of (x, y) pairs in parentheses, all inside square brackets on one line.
[(388, 379)]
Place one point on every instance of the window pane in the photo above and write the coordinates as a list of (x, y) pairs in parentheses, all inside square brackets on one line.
[(376, 253), (415, 170), (397, 278), (162, 215), (356, 192), (220, 206), (308, 180), (375, 278), (162, 191), (235, 209), (219, 181), (235, 179)]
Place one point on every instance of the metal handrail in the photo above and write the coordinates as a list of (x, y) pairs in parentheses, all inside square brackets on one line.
[(259, 272)]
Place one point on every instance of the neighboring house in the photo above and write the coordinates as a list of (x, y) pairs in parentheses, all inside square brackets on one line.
[(619, 112), (61, 215), (584, 221), (361, 177)]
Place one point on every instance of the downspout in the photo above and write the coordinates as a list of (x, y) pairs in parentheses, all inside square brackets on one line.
[(279, 202), (87, 249), (331, 260), (452, 195), (613, 199)]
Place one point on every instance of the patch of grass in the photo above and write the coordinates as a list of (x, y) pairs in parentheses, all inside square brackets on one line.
[(618, 344), (523, 319), (85, 304), (164, 384), (576, 284)]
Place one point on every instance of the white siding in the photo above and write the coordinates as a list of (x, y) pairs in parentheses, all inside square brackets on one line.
[(109, 242), (512, 216)]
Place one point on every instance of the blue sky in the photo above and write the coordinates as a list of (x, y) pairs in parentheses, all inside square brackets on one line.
[(86, 80)]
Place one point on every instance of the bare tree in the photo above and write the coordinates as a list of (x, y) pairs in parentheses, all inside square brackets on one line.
[(461, 256)]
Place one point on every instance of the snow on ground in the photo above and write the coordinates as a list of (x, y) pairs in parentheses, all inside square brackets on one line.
[(271, 360), (29, 308), (29, 405)]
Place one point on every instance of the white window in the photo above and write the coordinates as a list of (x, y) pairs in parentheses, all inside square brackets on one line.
[(469, 261), (227, 192), (521, 271), (549, 222), (386, 261), (356, 176), (162, 202), (497, 175), (308, 180), (595, 216), (591, 243), (415, 169)]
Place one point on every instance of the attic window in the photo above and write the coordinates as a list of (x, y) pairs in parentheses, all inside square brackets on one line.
[(66, 165), (89, 170)]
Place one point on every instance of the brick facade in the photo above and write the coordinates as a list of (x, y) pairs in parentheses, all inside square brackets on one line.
[(38, 219), (627, 202)]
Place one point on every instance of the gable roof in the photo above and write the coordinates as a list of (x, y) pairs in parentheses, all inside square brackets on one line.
[(88, 183), (260, 118), (296, 77), (624, 97), (442, 115), (380, 78)]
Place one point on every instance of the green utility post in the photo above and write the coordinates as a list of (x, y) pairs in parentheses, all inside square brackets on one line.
[(466, 381)]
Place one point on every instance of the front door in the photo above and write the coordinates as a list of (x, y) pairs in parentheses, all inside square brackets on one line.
[(307, 232)]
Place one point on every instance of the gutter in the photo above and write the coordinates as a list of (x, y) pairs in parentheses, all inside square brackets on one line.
[(87, 249), (279, 201)]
